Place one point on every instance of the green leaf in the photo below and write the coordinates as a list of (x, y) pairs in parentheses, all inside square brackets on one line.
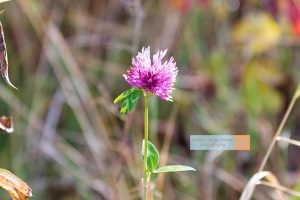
[(173, 168), (152, 156), (125, 94), (129, 98), (130, 101)]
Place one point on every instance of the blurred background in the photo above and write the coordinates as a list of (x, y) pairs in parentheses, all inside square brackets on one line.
[(238, 68)]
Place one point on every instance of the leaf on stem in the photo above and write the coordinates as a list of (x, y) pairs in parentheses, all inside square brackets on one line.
[(129, 98), (125, 94), (17, 188), (152, 156), (174, 168)]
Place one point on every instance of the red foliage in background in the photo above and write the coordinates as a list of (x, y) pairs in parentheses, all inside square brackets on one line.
[(186, 5), (294, 16)]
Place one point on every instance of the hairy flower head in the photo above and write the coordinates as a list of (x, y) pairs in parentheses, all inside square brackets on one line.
[(153, 75)]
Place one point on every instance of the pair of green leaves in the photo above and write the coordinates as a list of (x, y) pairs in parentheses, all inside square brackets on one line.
[(153, 160), (129, 98)]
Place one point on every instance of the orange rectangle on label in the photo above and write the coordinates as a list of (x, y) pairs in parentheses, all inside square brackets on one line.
[(242, 142)]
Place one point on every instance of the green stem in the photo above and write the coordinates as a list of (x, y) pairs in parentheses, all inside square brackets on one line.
[(280, 128), (146, 135)]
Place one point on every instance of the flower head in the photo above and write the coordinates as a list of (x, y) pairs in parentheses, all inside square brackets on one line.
[(153, 75)]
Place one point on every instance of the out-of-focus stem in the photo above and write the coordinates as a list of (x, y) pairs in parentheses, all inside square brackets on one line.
[(280, 128)]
